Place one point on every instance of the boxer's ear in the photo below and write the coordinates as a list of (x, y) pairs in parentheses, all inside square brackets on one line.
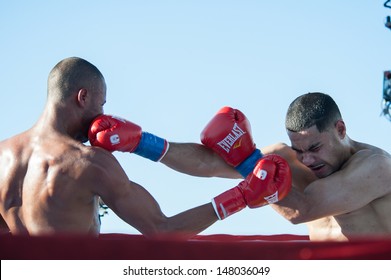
[(82, 97), (341, 128)]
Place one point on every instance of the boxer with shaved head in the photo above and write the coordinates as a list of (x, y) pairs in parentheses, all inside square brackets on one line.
[(51, 183)]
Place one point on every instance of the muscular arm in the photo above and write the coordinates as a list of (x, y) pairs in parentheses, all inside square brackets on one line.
[(197, 160), (139, 209), (189, 158), (362, 181), (132, 203)]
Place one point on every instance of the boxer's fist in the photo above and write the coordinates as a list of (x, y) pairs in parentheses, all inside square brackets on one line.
[(270, 181), (228, 133), (116, 134)]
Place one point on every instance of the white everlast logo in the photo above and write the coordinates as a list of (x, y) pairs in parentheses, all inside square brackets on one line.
[(272, 198), (227, 143)]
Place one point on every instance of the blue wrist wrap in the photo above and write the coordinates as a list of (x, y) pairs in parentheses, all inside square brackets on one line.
[(249, 163), (151, 146)]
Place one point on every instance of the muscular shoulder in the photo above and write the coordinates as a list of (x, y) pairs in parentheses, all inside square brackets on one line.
[(280, 149), (14, 144), (366, 151), (98, 158), (372, 160), (14, 153), (103, 168), (367, 171)]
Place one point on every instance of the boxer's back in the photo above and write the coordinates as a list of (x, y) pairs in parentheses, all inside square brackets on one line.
[(44, 188)]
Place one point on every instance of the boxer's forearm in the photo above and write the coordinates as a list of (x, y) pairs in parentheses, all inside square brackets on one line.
[(197, 160), (188, 223)]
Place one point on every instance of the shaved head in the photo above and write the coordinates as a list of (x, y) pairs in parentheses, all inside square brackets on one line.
[(69, 76)]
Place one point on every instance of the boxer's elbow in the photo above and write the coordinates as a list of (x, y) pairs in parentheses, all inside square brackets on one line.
[(294, 216), (296, 220)]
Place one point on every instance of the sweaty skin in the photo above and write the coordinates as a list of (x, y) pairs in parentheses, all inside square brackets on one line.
[(45, 187), (350, 199), (351, 196), (51, 183)]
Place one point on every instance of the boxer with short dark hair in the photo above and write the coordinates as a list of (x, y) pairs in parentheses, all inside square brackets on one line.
[(341, 187), (50, 183), (351, 196)]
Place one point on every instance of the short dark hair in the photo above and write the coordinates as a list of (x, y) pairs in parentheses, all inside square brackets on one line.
[(314, 108)]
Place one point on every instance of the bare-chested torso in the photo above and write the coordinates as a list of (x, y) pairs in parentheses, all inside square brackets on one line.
[(44, 186), (371, 221), (367, 222)]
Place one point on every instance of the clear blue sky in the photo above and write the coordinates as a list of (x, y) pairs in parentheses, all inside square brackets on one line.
[(170, 65)]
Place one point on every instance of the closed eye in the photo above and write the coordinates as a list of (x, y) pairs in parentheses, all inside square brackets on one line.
[(314, 149)]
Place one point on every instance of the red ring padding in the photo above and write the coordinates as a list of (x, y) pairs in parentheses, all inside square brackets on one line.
[(202, 247)]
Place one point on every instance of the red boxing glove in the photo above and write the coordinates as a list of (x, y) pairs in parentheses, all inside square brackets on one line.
[(270, 181), (114, 134), (229, 134)]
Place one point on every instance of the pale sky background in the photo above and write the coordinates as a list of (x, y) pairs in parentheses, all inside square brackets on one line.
[(171, 65)]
